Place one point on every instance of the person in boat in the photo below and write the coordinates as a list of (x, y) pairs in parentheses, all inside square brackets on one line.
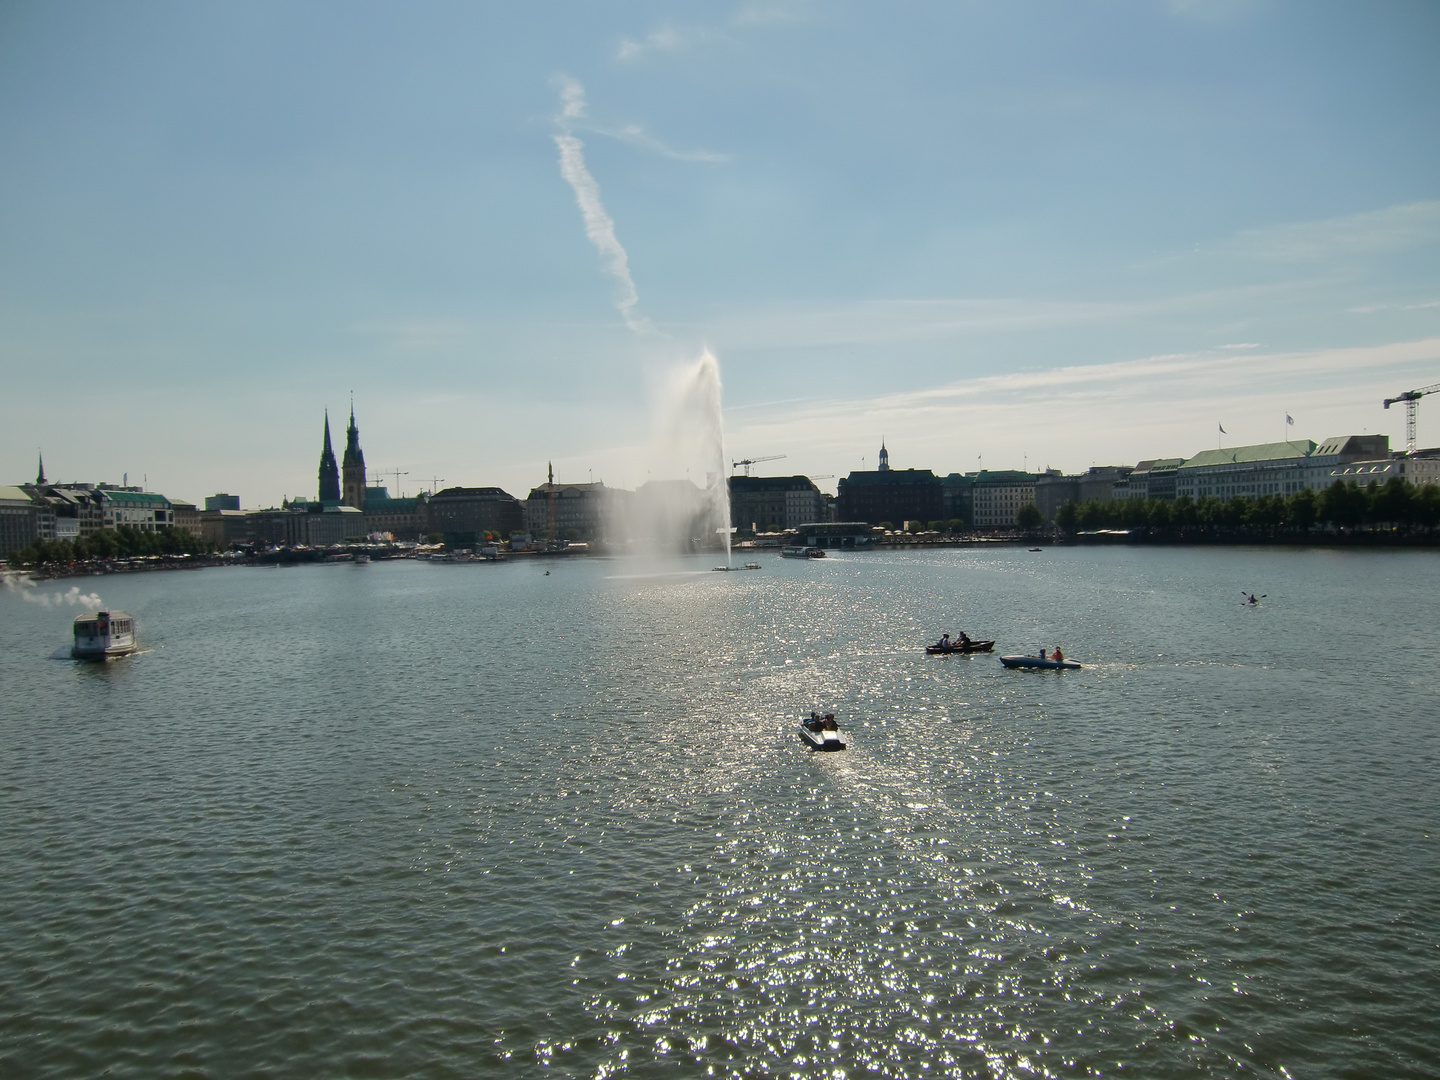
[(814, 723), (944, 642), (1057, 655), (1252, 599), (965, 638), (828, 724)]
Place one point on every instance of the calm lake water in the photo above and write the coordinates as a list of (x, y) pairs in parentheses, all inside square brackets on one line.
[(460, 821)]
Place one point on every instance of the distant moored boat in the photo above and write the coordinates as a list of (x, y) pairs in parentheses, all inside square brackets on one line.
[(798, 552)]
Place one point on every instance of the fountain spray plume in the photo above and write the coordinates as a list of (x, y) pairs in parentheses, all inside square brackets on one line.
[(702, 391), (672, 512)]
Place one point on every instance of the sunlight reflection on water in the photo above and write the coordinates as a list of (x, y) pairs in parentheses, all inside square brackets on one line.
[(438, 820)]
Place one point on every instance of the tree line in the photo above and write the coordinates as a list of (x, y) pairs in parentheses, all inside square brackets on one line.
[(121, 543), (1396, 505)]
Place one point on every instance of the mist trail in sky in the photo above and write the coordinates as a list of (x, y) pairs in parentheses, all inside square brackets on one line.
[(599, 226)]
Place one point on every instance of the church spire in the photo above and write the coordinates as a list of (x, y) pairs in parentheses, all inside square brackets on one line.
[(40, 478), (353, 466), (884, 456), (329, 471)]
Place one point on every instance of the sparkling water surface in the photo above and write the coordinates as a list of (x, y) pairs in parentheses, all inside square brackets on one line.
[(445, 820)]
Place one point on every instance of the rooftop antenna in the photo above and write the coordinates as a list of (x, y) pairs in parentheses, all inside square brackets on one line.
[(550, 502)]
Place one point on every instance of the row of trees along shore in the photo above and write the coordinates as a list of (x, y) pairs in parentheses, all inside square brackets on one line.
[(121, 543), (1396, 505)]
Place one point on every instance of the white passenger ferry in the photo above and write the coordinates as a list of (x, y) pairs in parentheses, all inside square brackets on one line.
[(102, 634)]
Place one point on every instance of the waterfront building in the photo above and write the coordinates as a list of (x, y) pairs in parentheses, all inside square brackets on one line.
[(958, 497), (582, 511), (284, 527), (18, 520), (133, 508), (1419, 468), (1052, 491), (463, 515), (225, 527), (998, 496), (1101, 483), (352, 467), (232, 502), (404, 519), (80, 502), (1280, 468), (773, 503), (185, 515), (891, 495), (334, 525), (1154, 479), (835, 534)]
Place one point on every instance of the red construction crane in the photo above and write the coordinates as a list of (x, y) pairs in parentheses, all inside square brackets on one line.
[(1412, 403)]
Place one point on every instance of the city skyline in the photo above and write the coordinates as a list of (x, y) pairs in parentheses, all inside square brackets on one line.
[(1062, 238)]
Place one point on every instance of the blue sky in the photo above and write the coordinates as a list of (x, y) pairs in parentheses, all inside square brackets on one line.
[(1025, 233)]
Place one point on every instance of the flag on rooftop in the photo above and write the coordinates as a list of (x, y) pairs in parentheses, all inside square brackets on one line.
[(1289, 419)]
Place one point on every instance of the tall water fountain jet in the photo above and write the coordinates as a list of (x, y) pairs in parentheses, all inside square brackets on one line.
[(685, 503)]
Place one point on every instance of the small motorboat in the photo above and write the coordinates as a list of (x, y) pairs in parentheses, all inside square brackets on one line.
[(1036, 662), (821, 732), (960, 647)]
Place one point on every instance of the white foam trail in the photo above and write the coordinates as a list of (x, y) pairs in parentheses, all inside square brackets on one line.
[(599, 226)]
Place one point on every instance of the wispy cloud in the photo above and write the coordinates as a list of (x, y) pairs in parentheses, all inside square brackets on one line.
[(1370, 309), (1152, 406), (670, 39), (635, 135), (900, 321), (599, 226), (1391, 229), (667, 39)]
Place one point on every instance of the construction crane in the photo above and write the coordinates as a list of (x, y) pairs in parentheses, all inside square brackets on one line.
[(1412, 404), (747, 462), (397, 473)]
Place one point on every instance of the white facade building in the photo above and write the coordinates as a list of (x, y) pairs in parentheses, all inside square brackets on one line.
[(998, 497), (1273, 468)]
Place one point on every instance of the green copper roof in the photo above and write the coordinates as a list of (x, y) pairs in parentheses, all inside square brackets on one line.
[(1235, 455), (135, 498)]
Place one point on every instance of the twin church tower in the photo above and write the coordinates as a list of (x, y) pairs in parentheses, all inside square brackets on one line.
[(351, 473)]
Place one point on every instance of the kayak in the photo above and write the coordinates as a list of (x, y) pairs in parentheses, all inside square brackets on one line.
[(820, 740), (960, 647), (1036, 662)]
